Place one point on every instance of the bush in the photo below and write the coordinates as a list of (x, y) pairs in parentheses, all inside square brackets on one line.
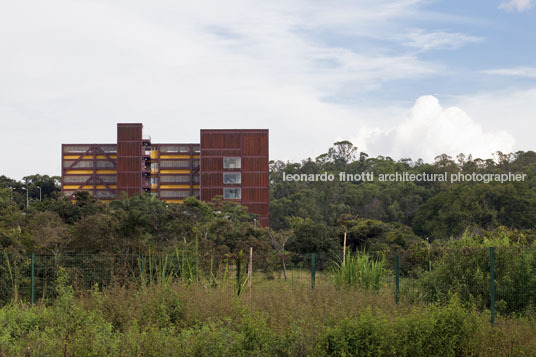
[(360, 270), (445, 331), (364, 336)]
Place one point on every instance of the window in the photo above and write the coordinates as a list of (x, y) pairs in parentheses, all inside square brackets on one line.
[(105, 165), (174, 194), (231, 163), (154, 180), (175, 163), (174, 148), (75, 149), (109, 149), (232, 193), (174, 178), (75, 179), (154, 166), (231, 178), (108, 179), (84, 164)]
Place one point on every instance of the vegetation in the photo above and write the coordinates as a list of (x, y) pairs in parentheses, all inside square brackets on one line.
[(167, 273), (273, 319)]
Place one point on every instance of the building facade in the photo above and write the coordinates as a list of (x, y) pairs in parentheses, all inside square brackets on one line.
[(228, 163)]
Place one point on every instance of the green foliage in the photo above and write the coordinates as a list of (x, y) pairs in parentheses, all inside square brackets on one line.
[(446, 331), (366, 335), (463, 268), (360, 270)]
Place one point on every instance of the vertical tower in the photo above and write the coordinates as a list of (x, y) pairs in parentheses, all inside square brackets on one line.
[(234, 164), (130, 158)]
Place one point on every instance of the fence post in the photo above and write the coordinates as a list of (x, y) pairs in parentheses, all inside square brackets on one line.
[(250, 267), (33, 280), (492, 282), (397, 280), (313, 270), (142, 266), (238, 276)]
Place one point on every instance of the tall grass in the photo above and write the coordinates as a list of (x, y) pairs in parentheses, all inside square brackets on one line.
[(360, 270)]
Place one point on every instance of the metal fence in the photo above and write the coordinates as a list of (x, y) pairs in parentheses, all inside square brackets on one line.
[(501, 280)]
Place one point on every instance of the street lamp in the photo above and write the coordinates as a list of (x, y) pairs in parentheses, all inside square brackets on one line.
[(39, 187), (11, 196)]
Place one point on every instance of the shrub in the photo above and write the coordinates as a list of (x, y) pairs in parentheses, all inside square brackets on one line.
[(360, 270), (365, 336)]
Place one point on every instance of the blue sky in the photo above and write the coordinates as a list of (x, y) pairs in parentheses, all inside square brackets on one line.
[(399, 78)]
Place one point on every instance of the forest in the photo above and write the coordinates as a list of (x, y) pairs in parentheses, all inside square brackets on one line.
[(312, 215), (182, 290)]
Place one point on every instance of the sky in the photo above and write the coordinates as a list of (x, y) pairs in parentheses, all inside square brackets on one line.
[(400, 78)]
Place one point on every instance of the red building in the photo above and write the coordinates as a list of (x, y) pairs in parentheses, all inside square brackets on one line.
[(234, 164), (228, 163)]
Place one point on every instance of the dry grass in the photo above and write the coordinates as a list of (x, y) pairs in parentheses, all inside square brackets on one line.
[(292, 303)]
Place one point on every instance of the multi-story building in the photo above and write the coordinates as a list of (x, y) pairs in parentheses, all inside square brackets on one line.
[(228, 163)]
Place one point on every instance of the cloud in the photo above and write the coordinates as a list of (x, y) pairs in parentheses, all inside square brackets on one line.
[(528, 72), (431, 130), (518, 5), (71, 70), (426, 41)]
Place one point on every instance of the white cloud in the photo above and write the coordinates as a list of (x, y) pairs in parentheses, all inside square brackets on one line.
[(426, 41), (71, 70), (528, 72), (431, 130), (518, 5), (510, 109)]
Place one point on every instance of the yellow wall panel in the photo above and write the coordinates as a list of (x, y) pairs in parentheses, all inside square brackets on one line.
[(81, 172), (87, 157), (174, 186), (196, 186), (106, 171), (174, 156), (86, 187), (71, 187), (154, 154), (174, 171), (196, 156)]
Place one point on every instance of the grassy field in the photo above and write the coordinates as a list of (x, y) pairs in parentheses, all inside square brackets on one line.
[(274, 317)]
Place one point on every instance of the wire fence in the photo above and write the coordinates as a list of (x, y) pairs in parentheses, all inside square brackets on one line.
[(501, 280)]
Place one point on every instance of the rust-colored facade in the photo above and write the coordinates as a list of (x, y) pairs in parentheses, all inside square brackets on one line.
[(234, 164), (229, 163)]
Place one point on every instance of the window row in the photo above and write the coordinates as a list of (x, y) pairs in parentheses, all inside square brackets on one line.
[(177, 194), (177, 149), (109, 179), (76, 149), (182, 164), (84, 164), (178, 179)]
